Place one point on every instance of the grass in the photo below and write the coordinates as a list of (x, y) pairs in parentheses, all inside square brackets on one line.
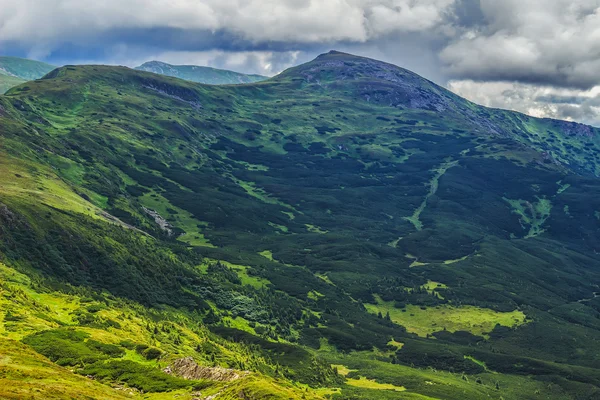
[(259, 193), (8, 82), (33, 311), (428, 383), (24, 374), (256, 160), (433, 187), (268, 254), (532, 215), (194, 229), (365, 383), (424, 321), (23, 68), (314, 295), (282, 228), (242, 272), (342, 369), (315, 229), (33, 184)]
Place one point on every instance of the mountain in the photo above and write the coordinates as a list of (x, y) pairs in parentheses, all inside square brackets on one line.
[(14, 71), (198, 74), (346, 229), (23, 68), (7, 82)]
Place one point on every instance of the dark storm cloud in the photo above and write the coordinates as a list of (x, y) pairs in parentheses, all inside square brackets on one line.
[(467, 13)]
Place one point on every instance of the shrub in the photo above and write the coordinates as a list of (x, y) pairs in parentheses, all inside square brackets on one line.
[(138, 376)]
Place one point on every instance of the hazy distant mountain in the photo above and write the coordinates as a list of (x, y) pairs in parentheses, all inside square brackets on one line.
[(14, 71), (24, 68), (7, 82), (199, 74)]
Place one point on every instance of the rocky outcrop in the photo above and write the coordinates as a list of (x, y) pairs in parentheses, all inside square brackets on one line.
[(6, 216), (573, 128), (187, 368), (160, 221)]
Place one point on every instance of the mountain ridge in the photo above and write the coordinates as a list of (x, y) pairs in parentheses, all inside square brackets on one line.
[(365, 247), (200, 74), (15, 71), (23, 68)]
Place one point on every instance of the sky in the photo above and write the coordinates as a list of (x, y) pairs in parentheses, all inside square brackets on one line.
[(541, 57)]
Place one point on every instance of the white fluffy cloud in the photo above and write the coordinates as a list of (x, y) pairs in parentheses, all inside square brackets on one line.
[(256, 20), (536, 41), (539, 101)]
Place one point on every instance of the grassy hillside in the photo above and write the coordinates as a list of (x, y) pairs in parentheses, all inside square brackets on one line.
[(199, 74), (23, 68), (14, 71), (344, 230), (7, 82)]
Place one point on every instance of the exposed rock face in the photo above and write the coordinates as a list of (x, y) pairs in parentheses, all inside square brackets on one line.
[(6, 215), (377, 82), (188, 369), (574, 128), (160, 221)]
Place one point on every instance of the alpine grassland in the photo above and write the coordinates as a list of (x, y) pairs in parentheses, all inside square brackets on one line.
[(343, 230), (15, 71)]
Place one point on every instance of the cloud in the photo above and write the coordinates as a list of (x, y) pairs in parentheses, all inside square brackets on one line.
[(253, 62), (517, 54), (301, 21), (554, 42), (539, 101)]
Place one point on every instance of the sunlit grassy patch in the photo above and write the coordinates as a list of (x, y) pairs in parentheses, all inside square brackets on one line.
[(325, 278), (315, 229), (281, 228), (532, 215), (433, 187), (394, 243), (290, 215), (424, 321), (36, 185), (342, 369), (27, 375), (268, 254), (365, 383), (178, 217), (395, 344), (259, 193), (242, 272), (415, 262), (314, 295)]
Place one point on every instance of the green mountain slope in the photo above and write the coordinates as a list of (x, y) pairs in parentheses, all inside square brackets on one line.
[(346, 229), (23, 68), (199, 74), (7, 82), (14, 71)]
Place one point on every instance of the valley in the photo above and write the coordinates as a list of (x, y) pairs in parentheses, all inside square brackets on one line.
[(345, 230)]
